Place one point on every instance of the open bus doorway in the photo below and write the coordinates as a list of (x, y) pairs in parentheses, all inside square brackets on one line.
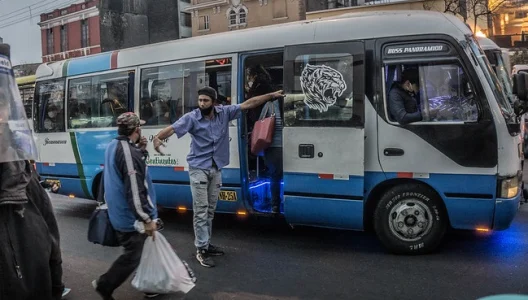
[(263, 74)]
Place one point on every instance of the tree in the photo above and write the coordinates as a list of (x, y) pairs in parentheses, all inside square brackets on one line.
[(456, 7), (483, 8)]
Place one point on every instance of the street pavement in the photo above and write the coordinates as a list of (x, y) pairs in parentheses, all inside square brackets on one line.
[(267, 259)]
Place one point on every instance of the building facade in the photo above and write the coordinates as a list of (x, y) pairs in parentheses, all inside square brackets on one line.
[(213, 16), (70, 32)]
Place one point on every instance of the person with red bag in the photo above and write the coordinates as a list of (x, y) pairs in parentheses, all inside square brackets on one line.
[(209, 129), (273, 152)]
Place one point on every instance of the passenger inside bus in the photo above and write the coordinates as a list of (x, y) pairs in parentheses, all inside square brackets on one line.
[(264, 75)]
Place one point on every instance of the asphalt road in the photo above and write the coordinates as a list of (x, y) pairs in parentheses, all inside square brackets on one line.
[(269, 260)]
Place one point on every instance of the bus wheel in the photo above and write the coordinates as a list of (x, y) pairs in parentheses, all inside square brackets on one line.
[(410, 219)]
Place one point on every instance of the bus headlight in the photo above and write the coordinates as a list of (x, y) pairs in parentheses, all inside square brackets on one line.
[(509, 187)]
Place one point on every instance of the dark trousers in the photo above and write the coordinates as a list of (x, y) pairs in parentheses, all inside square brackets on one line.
[(125, 264), (273, 161)]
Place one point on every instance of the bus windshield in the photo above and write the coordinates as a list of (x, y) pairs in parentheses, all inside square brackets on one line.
[(497, 87), (499, 66)]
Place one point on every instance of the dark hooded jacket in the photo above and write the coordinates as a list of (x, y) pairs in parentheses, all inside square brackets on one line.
[(30, 258)]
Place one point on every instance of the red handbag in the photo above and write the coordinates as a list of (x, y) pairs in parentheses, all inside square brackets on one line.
[(262, 134)]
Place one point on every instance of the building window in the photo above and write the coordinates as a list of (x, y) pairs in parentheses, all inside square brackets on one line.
[(84, 34), (232, 17), (204, 23), (64, 38), (50, 41), (185, 19), (279, 9), (50, 16), (64, 12), (237, 15)]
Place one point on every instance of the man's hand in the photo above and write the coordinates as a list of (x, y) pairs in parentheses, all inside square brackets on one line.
[(157, 143), (277, 94), (143, 143), (150, 229)]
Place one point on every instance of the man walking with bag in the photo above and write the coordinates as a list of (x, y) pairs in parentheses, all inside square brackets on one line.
[(209, 127), (130, 197)]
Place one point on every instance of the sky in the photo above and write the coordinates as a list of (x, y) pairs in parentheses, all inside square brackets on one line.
[(19, 26)]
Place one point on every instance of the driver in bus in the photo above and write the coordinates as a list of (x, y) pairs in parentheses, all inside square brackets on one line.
[(403, 101)]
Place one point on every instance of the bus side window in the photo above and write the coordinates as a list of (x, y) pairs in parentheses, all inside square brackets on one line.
[(445, 93), (97, 101), (49, 106), (169, 91), (325, 91)]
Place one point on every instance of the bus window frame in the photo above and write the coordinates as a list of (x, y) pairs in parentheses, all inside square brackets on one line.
[(457, 52), (36, 125), (438, 61), (234, 78), (87, 75)]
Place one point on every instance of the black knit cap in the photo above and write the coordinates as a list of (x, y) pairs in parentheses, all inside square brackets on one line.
[(208, 91)]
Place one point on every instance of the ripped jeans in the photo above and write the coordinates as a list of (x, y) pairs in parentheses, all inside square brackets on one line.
[(205, 187)]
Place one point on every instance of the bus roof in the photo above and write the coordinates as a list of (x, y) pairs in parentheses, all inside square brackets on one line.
[(26, 79), (362, 25)]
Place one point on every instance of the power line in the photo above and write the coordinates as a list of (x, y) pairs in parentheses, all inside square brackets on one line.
[(24, 12), (35, 14), (23, 8)]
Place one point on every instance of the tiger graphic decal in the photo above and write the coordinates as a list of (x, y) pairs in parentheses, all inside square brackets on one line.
[(322, 86)]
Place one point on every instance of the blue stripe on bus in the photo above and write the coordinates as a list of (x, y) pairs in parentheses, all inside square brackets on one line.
[(89, 64), (311, 184), (323, 212), (60, 169)]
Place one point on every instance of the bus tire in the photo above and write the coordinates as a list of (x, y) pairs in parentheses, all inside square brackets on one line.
[(410, 219)]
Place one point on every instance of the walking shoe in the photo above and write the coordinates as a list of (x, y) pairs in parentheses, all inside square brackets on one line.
[(151, 295), (214, 251), (204, 258), (190, 271), (65, 292), (103, 295)]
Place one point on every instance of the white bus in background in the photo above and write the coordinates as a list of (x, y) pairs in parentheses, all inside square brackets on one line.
[(347, 163)]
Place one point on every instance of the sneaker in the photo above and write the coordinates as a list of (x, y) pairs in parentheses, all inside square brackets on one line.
[(65, 292), (214, 251), (190, 271), (204, 258), (151, 295), (105, 297)]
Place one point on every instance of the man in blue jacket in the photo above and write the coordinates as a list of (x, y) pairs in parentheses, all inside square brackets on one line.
[(130, 197)]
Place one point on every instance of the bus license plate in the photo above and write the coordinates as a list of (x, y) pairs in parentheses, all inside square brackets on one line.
[(228, 196)]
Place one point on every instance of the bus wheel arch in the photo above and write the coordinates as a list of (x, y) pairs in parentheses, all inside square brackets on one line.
[(95, 185), (408, 216)]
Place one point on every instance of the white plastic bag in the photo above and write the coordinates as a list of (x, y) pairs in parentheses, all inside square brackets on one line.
[(160, 269)]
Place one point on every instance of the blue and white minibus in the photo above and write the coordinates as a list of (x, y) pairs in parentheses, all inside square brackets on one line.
[(347, 163)]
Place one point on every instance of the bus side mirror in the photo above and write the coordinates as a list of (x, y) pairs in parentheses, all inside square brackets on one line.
[(520, 83)]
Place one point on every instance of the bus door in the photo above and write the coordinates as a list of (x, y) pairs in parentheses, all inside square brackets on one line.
[(453, 148), (323, 137)]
